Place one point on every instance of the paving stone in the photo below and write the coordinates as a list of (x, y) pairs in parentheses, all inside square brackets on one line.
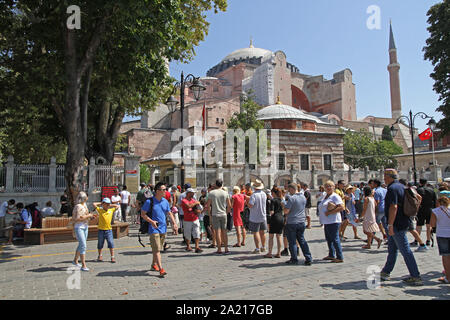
[(40, 272)]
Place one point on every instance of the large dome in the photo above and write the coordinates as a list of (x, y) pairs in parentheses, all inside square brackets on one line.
[(247, 53)]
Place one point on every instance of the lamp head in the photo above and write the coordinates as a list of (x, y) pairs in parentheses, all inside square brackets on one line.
[(197, 87), (432, 124)]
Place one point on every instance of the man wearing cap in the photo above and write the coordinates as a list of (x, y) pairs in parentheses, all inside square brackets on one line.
[(398, 224), (258, 219), (105, 212), (180, 208), (191, 221)]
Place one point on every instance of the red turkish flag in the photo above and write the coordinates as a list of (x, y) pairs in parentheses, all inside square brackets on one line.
[(204, 117), (427, 134)]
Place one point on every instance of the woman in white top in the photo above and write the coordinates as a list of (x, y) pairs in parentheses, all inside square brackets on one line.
[(440, 219), (80, 219), (329, 215), (115, 199)]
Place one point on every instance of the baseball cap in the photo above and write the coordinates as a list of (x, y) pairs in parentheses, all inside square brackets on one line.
[(187, 185), (106, 200), (190, 190)]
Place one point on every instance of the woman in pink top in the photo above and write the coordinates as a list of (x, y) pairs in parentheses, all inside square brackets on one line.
[(237, 202), (370, 225)]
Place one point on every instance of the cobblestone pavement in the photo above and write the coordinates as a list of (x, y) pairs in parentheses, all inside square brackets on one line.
[(44, 272)]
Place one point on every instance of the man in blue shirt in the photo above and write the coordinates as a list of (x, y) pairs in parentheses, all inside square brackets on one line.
[(157, 224), (398, 224), (379, 196), (295, 225)]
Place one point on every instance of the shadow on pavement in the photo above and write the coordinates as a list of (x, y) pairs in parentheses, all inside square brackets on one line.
[(49, 269), (135, 253), (128, 273), (267, 265), (7, 253)]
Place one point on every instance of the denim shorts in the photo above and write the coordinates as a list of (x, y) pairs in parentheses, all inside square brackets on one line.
[(444, 246), (105, 235), (379, 216)]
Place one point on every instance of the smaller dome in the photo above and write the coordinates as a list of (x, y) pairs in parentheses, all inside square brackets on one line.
[(284, 112)]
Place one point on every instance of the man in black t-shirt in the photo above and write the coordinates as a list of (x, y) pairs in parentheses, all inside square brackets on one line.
[(428, 203), (398, 224)]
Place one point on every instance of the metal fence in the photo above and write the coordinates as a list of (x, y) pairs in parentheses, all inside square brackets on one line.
[(108, 176), (31, 178), (2, 178)]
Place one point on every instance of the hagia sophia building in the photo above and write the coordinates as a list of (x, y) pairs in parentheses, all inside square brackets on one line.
[(308, 110)]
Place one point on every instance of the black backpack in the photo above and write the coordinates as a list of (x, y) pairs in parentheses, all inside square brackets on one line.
[(144, 225)]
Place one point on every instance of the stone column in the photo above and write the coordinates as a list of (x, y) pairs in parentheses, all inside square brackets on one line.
[(366, 173), (52, 175), (219, 171), (132, 173), (410, 174), (153, 175), (437, 173), (381, 174), (10, 175), (176, 172), (313, 177), (293, 174), (190, 173), (246, 174), (91, 175), (350, 174)]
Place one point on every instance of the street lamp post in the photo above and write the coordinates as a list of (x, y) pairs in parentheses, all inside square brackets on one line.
[(197, 87), (410, 120)]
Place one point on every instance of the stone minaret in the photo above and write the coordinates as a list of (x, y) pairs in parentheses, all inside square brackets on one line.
[(394, 68)]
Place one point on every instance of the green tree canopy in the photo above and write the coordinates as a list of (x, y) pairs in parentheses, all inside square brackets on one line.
[(361, 150), (246, 119), (437, 51), (89, 78)]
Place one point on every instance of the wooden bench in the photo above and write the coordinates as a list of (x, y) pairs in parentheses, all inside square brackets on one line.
[(54, 230)]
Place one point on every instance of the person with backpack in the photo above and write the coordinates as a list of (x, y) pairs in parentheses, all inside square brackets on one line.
[(154, 212), (411, 229), (398, 223), (428, 203)]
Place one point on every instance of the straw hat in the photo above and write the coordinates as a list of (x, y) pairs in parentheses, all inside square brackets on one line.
[(258, 185)]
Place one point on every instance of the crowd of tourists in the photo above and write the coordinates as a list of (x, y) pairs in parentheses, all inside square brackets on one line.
[(284, 214), (280, 213)]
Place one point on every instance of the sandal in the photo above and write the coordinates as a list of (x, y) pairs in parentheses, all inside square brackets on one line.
[(113, 260), (100, 258), (277, 256), (268, 256), (444, 280), (188, 249), (243, 244), (237, 245), (211, 246), (379, 244), (366, 247)]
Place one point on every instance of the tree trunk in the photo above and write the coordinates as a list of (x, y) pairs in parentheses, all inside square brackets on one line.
[(72, 121), (108, 131)]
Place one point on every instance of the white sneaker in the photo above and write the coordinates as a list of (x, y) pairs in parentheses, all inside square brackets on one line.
[(76, 264), (256, 251), (85, 269)]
